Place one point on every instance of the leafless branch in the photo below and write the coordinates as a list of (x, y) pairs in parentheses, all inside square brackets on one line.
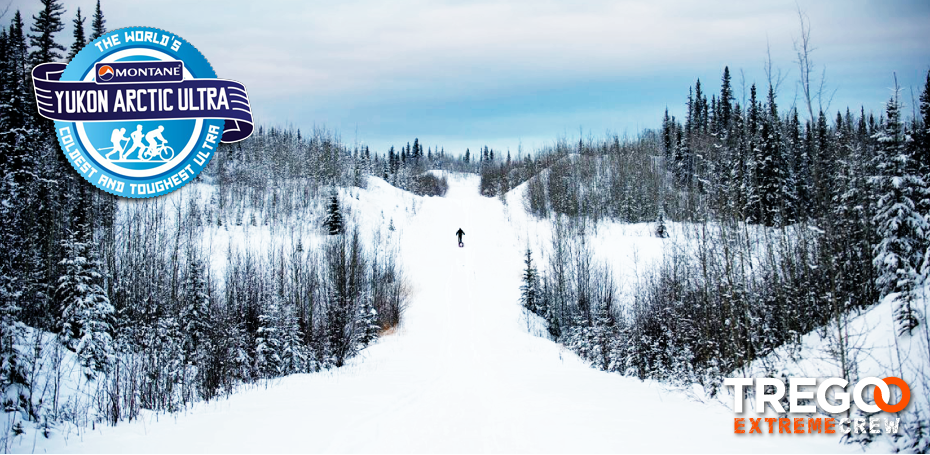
[(804, 49), (775, 77)]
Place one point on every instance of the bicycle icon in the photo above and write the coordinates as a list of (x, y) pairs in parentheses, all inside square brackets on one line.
[(162, 151)]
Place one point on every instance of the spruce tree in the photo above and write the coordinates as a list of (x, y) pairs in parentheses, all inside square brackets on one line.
[(667, 136), (12, 330), (770, 180), (752, 152), (86, 310), (902, 231), (724, 106), (922, 133), (79, 40), (736, 200), (683, 160), (46, 25), (293, 352), (334, 215), (268, 341), (195, 316), (922, 158), (98, 28), (699, 119), (16, 96), (367, 321), (792, 155), (824, 166), (529, 289)]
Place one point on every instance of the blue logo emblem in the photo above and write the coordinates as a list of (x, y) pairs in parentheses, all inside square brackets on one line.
[(139, 112)]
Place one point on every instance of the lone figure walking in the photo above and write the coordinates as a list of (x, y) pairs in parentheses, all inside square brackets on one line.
[(459, 234), (136, 143)]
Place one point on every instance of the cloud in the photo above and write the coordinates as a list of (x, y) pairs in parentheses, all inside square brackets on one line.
[(457, 69)]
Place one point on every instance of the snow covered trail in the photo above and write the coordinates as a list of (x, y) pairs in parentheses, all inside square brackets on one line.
[(461, 375)]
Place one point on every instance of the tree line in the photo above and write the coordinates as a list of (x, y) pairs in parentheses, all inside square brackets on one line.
[(155, 318), (785, 227)]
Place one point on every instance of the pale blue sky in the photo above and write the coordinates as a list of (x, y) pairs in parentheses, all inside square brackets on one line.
[(465, 74)]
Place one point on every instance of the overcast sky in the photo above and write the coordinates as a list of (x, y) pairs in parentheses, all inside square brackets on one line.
[(465, 74)]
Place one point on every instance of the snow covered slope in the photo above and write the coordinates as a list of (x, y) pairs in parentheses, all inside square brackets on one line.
[(462, 374)]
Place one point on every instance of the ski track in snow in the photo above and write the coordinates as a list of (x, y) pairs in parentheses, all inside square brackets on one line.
[(460, 375)]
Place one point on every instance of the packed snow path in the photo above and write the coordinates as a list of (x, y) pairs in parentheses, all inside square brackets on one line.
[(461, 375)]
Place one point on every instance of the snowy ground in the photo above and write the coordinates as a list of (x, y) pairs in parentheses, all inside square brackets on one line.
[(461, 375)]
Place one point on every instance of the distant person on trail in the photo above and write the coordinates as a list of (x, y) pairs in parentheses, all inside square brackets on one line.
[(459, 234)]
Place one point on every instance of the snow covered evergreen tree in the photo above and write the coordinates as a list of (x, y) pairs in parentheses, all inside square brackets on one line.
[(12, 331), (195, 316), (769, 169), (334, 215), (753, 155), (268, 341), (345, 274), (293, 352), (86, 310), (922, 156), (528, 290), (367, 322), (684, 159), (901, 229)]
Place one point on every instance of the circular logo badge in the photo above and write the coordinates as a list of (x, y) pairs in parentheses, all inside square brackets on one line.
[(139, 112)]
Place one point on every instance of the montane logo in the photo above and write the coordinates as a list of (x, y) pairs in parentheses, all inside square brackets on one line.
[(105, 73), (143, 71), (148, 72)]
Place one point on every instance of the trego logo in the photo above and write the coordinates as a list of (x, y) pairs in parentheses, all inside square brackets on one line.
[(139, 112), (800, 390)]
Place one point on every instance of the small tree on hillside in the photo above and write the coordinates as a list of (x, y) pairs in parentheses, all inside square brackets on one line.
[(334, 216), (530, 284)]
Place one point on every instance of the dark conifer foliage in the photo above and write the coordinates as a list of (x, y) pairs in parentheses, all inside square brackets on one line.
[(98, 26), (901, 229), (793, 225), (79, 39), (129, 288), (333, 221), (46, 25), (410, 169), (86, 309), (530, 287)]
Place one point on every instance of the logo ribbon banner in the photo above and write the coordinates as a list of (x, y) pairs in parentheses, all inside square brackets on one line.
[(188, 99)]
